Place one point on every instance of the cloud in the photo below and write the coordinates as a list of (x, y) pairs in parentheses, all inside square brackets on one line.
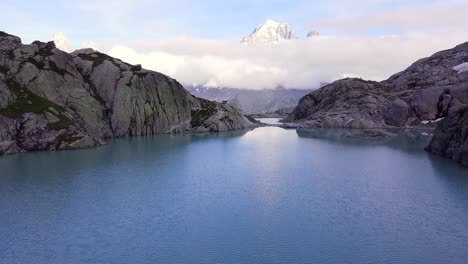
[(62, 42), (438, 15), (301, 63)]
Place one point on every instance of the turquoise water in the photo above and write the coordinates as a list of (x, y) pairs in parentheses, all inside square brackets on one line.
[(263, 196)]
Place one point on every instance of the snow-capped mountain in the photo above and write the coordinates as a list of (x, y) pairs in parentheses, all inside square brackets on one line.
[(270, 32)]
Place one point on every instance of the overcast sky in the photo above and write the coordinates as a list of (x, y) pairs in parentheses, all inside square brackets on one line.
[(197, 42)]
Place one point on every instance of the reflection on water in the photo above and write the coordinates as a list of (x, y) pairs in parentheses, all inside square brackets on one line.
[(267, 195), (402, 139)]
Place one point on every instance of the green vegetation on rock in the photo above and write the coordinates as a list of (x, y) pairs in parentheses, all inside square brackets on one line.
[(97, 58), (199, 116), (27, 102)]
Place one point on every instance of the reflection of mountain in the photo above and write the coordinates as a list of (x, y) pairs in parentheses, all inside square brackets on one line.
[(251, 101), (407, 140)]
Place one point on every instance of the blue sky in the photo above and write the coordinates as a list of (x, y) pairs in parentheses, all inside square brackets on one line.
[(104, 20)]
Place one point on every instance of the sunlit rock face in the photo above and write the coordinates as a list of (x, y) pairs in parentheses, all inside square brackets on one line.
[(53, 100), (269, 32)]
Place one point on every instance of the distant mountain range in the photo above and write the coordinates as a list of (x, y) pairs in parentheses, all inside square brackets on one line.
[(252, 101), (259, 101)]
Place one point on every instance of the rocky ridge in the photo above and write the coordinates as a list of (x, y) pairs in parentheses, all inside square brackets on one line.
[(423, 94), (53, 100)]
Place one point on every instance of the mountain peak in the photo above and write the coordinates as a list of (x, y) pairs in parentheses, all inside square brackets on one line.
[(270, 32), (313, 33)]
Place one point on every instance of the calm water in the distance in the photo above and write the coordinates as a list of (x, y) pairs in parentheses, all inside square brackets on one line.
[(263, 196), (270, 121)]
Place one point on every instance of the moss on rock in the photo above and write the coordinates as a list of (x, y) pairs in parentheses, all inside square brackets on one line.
[(27, 102), (97, 58), (199, 116)]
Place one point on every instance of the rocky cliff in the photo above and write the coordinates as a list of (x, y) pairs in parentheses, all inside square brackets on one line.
[(52, 100), (426, 92), (451, 137)]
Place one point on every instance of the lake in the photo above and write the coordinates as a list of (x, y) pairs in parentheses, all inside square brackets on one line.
[(263, 196)]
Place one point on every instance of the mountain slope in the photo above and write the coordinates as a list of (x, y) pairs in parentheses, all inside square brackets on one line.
[(51, 100), (251, 101), (427, 91)]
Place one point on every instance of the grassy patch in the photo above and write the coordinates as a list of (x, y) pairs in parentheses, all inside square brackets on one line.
[(199, 116), (52, 66), (27, 102), (97, 59)]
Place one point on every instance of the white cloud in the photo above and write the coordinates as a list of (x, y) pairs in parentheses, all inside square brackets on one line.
[(62, 42), (303, 63), (294, 64), (91, 44)]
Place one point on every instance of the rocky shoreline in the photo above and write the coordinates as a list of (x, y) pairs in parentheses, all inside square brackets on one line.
[(419, 96), (451, 138), (431, 93)]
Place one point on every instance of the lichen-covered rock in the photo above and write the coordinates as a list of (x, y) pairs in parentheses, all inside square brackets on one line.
[(428, 90), (52, 100), (451, 137)]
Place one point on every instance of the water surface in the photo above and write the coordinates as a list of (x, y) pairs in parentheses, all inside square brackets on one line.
[(264, 196), (270, 121)]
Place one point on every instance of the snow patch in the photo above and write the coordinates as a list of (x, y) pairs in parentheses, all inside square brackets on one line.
[(461, 67), (425, 122), (269, 32)]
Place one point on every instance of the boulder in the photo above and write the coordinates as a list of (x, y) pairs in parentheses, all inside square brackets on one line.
[(396, 113)]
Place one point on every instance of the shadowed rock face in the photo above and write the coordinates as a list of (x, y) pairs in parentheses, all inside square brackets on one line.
[(428, 90), (52, 100), (451, 137)]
